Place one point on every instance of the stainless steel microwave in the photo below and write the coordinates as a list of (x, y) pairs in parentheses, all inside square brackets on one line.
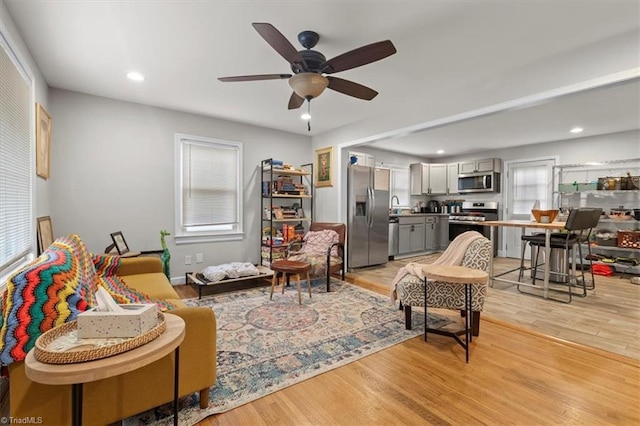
[(479, 182)]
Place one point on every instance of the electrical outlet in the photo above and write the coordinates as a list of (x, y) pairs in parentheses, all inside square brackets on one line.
[(199, 258), (187, 260)]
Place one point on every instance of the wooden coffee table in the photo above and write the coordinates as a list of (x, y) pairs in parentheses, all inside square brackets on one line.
[(288, 268), (455, 275), (82, 372)]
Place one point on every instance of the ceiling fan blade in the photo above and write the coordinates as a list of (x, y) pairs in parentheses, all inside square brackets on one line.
[(295, 101), (280, 44), (256, 77), (350, 88), (358, 57)]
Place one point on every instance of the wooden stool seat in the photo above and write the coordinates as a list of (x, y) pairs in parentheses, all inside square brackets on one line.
[(287, 268)]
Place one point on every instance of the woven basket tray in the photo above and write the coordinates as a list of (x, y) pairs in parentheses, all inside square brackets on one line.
[(89, 352)]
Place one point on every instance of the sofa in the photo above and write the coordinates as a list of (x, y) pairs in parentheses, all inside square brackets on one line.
[(54, 289)]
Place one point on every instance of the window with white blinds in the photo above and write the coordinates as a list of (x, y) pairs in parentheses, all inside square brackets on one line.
[(209, 189), (531, 183), (16, 111), (400, 182)]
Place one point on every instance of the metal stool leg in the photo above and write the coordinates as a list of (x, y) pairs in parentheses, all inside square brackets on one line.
[(524, 248)]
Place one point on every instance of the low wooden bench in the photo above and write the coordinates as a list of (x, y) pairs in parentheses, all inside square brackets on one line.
[(202, 282)]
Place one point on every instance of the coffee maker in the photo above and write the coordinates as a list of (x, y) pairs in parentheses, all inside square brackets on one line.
[(433, 207)]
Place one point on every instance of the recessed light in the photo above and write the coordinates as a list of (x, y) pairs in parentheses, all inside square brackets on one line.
[(306, 116), (577, 130), (135, 76), (440, 151)]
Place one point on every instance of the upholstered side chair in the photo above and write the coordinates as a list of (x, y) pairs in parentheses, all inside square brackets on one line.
[(410, 289)]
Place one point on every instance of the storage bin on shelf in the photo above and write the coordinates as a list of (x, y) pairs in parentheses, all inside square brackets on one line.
[(629, 239), (606, 238)]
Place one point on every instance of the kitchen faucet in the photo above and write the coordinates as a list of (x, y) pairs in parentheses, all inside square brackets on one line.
[(397, 199)]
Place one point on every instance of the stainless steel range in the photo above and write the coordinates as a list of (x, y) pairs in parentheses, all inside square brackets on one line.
[(471, 217)]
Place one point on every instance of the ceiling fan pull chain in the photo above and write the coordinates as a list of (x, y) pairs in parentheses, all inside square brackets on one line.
[(309, 112)]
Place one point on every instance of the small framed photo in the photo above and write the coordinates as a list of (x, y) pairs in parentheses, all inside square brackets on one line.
[(324, 167), (43, 141), (45, 233), (120, 243)]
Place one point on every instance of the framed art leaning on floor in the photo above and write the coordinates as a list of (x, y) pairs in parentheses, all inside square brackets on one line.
[(45, 233)]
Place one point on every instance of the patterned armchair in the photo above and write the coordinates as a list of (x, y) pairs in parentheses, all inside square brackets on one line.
[(323, 248), (410, 288)]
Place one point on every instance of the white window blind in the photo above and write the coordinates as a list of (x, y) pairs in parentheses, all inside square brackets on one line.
[(209, 196), (16, 106), (530, 183), (400, 182)]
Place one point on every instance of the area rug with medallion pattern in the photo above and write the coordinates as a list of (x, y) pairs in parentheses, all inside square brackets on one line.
[(266, 345)]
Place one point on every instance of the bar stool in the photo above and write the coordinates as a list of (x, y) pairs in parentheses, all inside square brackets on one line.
[(578, 227), (288, 268)]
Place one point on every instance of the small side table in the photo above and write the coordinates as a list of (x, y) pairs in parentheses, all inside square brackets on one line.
[(290, 267), (455, 275), (82, 372)]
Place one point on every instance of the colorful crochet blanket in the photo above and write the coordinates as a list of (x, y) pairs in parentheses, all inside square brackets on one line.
[(106, 269), (54, 289), (50, 291)]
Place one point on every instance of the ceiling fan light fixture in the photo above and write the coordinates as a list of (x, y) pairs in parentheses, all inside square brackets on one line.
[(308, 85)]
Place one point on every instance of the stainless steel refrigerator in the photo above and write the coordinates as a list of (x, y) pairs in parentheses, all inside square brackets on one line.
[(368, 216)]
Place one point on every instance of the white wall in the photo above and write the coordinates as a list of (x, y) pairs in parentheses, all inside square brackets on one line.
[(113, 170)]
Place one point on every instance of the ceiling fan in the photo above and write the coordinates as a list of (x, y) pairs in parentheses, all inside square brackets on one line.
[(310, 66)]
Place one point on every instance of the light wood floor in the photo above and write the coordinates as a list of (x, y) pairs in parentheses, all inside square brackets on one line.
[(535, 362), (608, 318)]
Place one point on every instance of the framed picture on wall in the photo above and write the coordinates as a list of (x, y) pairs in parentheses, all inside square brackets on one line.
[(45, 233), (324, 167), (43, 141)]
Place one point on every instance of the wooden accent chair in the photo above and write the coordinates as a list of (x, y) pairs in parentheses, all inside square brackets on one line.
[(323, 250)]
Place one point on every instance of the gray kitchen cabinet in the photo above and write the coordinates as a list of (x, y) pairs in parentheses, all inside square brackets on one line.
[(419, 178), (452, 178), (363, 159), (428, 178), (430, 235), (437, 179), (484, 165), (411, 234), (442, 232)]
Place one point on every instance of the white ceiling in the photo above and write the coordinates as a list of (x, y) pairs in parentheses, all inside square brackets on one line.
[(610, 109), (182, 47)]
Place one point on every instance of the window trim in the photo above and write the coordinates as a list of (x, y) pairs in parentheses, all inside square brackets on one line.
[(182, 236)]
